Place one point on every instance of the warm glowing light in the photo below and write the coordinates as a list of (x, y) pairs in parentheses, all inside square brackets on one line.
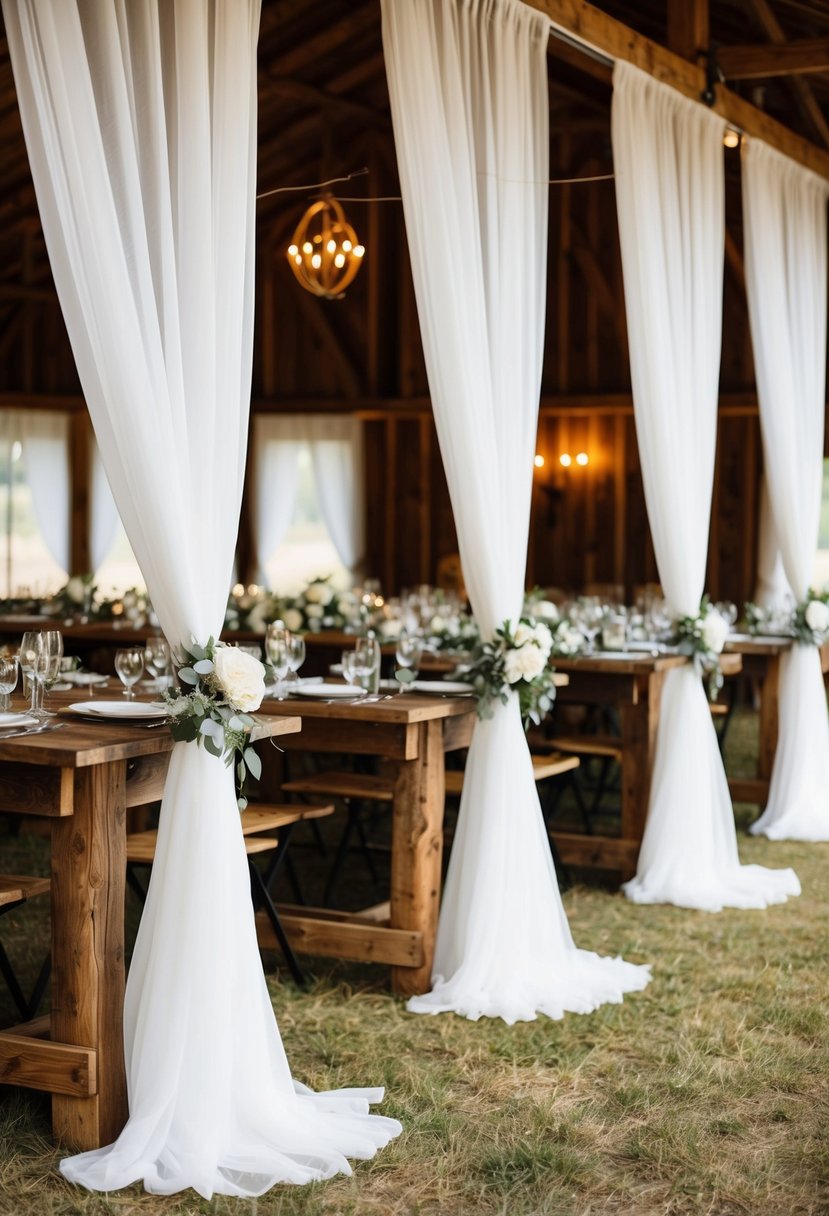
[(539, 461), (731, 139), (582, 458), (324, 254), (566, 459), (238, 589)]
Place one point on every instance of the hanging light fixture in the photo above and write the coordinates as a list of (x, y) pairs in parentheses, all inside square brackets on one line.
[(325, 254)]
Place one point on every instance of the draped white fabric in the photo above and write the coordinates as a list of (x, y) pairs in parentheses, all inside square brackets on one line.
[(140, 121), (668, 158), (103, 514), (336, 446), (784, 221), (44, 436), (772, 589), (469, 99)]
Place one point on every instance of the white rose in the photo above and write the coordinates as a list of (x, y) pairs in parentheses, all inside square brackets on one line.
[(817, 616), (523, 634), (76, 589), (258, 617), (292, 619), (714, 631), (569, 639), (240, 676), (438, 624), (391, 628), (313, 611), (545, 610), (543, 639), (346, 604), (319, 593), (525, 663)]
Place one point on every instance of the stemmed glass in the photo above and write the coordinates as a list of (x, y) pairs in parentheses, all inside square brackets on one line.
[(367, 651), (30, 656), (157, 658), (590, 617), (129, 665), (8, 679), (408, 654), (40, 654), (53, 651), (278, 651), (296, 657)]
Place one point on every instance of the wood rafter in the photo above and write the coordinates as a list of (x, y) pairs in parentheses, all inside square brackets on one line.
[(803, 94), (783, 59), (688, 27), (613, 39)]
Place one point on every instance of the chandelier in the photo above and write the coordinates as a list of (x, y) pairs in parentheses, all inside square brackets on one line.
[(325, 254)]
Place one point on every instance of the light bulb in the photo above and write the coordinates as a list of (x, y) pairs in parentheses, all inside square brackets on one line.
[(566, 459), (539, 461), (582, 458), (347, 246), (316, 261), (339, 260), (292, 251), (331, 247), (307, 247), (731, 139), (359, 250)]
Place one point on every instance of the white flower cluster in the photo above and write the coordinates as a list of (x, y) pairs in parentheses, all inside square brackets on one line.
[(714, 631), (816, 615)]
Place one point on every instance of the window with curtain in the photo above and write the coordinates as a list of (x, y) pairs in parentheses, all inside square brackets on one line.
[(307, 550), (27, 567), (821, 578), (119, 571)]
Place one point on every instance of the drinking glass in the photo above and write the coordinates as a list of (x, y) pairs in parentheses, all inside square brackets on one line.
[(408, 654), (157, 658), (32, 658), (296, 652), (53, 657), (349, 664), (367, 650), (278, 651), (8, 679), (129, 665)]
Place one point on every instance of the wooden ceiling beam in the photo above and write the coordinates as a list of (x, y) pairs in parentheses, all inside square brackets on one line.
[(286, 88), (614, 40), (782, 59), (689, 31), (328, 39), (803, 95)]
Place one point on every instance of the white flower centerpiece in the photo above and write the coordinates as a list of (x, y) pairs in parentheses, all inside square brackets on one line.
[(320, 606), (810, 619), (227, 684), (515, 661), (568, 639), (702, 638)]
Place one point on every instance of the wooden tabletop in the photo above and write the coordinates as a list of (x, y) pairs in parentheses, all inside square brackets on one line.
[(399, 710)]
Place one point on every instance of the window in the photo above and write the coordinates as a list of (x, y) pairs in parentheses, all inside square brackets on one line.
[(28, 568), (120, 571), (307, 552)]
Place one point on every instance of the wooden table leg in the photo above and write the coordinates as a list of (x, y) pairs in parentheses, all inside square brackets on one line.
[(88, 888), (769, 716), (416, 853), (640, 720)]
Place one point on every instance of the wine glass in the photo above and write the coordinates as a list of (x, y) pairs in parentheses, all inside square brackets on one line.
[(157, 659), (367, 650), (409, 652), (32, 660), (278, 650), (296, 654), (8, 679), (129, 665), (53, 657)]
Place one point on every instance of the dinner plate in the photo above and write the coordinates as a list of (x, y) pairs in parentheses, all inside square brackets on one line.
[(10, 720), (83, 678), (446, 687), (327, 691), (119, 709)]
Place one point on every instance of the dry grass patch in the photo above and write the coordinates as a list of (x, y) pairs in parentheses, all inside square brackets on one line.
[(705, 1094)]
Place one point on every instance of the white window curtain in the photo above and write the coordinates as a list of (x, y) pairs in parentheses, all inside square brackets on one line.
[(772, 590), (103, 514), (140, 123), (44, 436), (336, 446), (784, 221), (668, 159), (469, 100)]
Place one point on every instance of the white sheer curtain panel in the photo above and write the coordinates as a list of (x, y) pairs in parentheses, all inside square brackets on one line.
[(784, 220), (44, 438), (336, 446), (772, 589), (140, 122), (103, 514), (668, 157), (469, 100)]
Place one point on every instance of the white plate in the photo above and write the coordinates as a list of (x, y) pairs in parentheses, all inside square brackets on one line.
[(83, 678), (119, 709), (447, 687), (11, 720), (327, 691)]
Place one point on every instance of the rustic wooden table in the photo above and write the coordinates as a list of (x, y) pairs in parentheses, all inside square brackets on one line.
[(83, 777)]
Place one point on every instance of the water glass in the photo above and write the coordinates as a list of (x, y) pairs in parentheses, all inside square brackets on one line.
[(129, 665), (8, 679), (409, 654), (34, 662), (368, 654), (278, 651), (157, 658), (296, 652)]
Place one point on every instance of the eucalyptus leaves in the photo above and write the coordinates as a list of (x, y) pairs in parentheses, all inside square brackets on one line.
[(227, 685), (516, 660), (702, 638)]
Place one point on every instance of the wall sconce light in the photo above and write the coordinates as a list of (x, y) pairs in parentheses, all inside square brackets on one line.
[(731, 139), (566, 460), (538, 461), (582, 458), (325, 254)]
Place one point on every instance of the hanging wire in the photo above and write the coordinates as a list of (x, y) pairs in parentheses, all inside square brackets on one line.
[(396, 198)]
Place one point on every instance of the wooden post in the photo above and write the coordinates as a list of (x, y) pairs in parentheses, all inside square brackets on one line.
[(416, 853), (88, 889), (640, 720), (80, 493)]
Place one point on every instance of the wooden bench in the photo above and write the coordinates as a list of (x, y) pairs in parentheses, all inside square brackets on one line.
[(277, 821), (552, 765), (17, 889)]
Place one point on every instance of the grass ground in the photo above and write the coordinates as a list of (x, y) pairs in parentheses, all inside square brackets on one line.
[(705, 1095)]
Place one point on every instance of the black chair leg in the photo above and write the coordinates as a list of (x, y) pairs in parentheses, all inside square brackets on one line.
[(13, 984), (261, 898)]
